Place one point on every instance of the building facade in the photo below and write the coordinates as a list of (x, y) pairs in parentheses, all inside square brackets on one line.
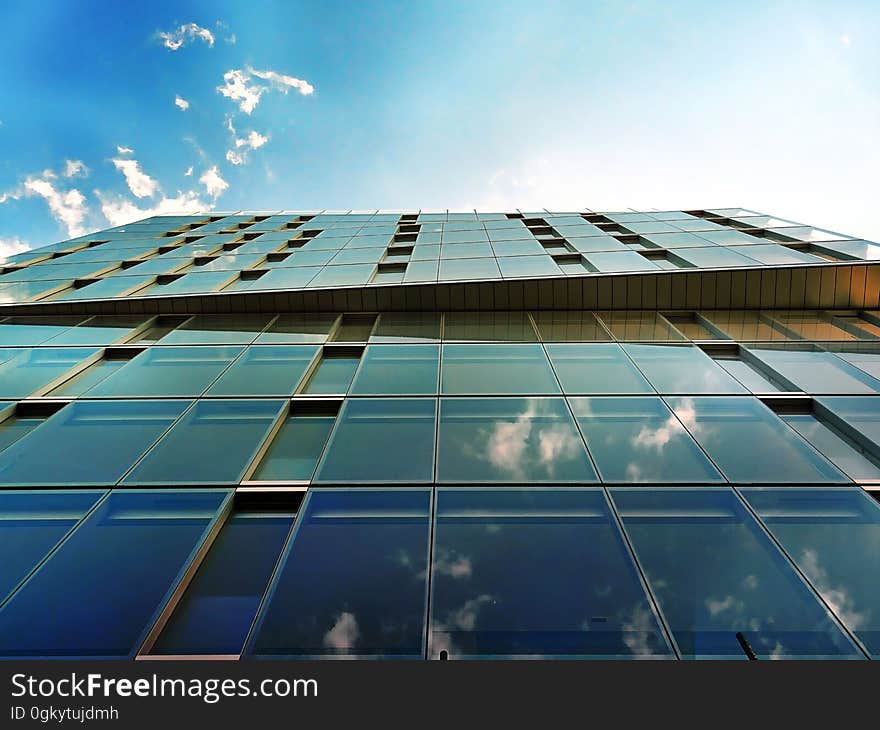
[(414, 435)]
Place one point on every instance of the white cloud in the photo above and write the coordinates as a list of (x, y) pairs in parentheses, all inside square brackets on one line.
[(252, 141), (124, 150), (66, 206), (119, 210), (175, 39), (12, 246), (73, 168), (140, 184), (181, 103), (240, 87), (189, 172), (344, 633), (213, 182)]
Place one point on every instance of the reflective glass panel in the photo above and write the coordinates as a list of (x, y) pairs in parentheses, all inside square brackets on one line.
[(220, 604), (831, 444), (489, 326), (407, 327), (352, 581), (818, 372), (398, 370), (861, 413), (750, 444), (290, 328), (333, 373), (681, 369), (382, 440), (213, 443), (496, 370), (537, 573), (90, 442), (296, 448), (640, 440), (99, 593), (510, 440), (717, 576), (32, 370), (265, 370), (219, 329), (595, 368)]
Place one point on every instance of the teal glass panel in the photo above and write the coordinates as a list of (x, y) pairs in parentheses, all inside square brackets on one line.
[(640, 440), (213, 443), (451, 236), (595, 368), (295, 450), (716, 256), (291, 328), (167, 371), (496, 370), (354, 328), (421, 271), (112, 286), (220, 604), (381, 440), (717, 576), (265, 370), (466, 251), (510, 440), (863, 414), (32, 370), (90, 443), (30, 331), (407, 327), (352, 580), (620, 261), (88, 378), (595, 244), (219, 329), (842, 453), (517, 248), (818, 372), (514, 266), (31, 524), (13, 426), (750, 444), (682, 369), (197, 283), (345, 275), (99, 593), (100, 330), (488, 326), (398, 370), (834, 538), (333, 373), (358, 256), (536, 573), (284, 278), (462, 269)]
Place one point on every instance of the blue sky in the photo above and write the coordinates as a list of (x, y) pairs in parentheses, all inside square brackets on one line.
[(358, 105)]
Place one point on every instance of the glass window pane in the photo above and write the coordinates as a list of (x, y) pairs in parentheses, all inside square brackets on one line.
[(14, 425), (31, 525), (167, 371), (265, 370), (834, 538), (681, 369), (569, 327), (91, 443), (489, 326), (398, 370), (352, 580), (464, 269), (640, 440), (290, 328), (220, 604), (510, 440), (595, 368), (715, 575), (514, 266), (213, 443), (611, 261), (100, 330), (496, 370), (31, 371), (122, 562), (538, 573), (645, 326), (382, 440), (750, 444), (295, 450), (407, 327), (86, 379), (818, 372), (219, 329), (333, 373), (832, 445), (863, 414)]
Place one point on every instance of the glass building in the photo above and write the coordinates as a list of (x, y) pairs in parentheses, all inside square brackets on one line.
[(442, 435)]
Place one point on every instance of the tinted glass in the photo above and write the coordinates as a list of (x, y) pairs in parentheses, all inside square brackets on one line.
[(220, 329), (295, 450), (333, 373), (818, 372), (496, 370), (83, 602), (289, 328), (510, 440), (213, 443), (716, 574), (382, 440), (32, 370), (265, 370), (595, 368), (640, 440), (681, 369), (352, 580), (398, 370), (90, 443), (535, 573), (219, 606), (844, 454), (750, 444)]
